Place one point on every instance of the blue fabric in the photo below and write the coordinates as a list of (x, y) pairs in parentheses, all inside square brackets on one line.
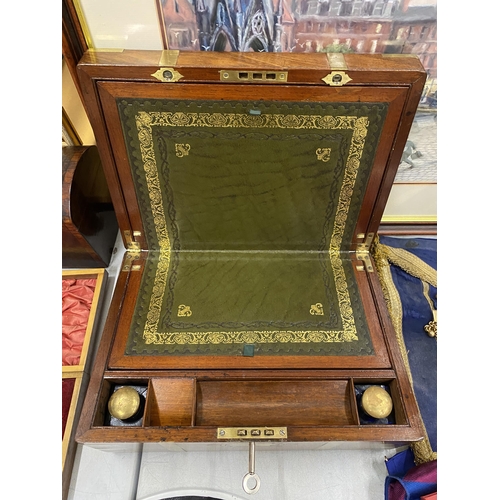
[(422, 349), (407, 481)]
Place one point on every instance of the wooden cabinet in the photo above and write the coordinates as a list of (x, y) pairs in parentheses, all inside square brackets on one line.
[(89, 226)]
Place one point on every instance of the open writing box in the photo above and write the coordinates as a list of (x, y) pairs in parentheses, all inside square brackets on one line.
[(248, 189)]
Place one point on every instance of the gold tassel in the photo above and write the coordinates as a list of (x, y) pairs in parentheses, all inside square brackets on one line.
[(383, 255)]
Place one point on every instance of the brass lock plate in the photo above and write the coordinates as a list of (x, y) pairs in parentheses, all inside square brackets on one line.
[(252, 433), (227, 75)]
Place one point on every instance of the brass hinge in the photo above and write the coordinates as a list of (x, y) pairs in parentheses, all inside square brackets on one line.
[(133, 251), (363, 252), (252, 433)]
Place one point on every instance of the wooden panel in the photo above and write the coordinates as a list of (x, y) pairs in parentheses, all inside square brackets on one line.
[(273, 403), (89, 225), (171, 401)]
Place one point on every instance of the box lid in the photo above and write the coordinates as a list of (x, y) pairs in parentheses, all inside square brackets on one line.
[(251, 194), (241, 160)]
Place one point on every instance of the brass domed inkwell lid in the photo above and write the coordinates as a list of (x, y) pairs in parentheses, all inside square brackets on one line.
[(376, 402), (124, 403)]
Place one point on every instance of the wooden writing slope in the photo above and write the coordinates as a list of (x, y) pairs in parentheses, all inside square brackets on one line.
[(248, 189)]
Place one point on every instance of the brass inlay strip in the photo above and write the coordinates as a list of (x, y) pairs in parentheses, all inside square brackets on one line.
[(106, 50), (252, 433), (336, 61), (415, 56), (145, 121), (83, 24), (168, 58)]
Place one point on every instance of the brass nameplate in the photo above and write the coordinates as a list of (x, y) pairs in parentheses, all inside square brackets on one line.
[(227, 75), (252, 433)]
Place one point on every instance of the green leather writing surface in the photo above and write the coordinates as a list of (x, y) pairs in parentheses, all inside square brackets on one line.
[(248, 209)]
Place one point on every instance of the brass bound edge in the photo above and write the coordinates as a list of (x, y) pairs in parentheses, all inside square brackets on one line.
[(252, 433)]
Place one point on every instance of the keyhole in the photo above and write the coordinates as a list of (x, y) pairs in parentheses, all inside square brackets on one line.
[(168, 75)]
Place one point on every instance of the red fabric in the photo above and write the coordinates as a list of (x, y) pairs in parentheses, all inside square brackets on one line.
[(68, 385), (77, 295)]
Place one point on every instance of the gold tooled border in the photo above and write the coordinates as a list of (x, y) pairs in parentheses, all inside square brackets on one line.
[(145, 121)]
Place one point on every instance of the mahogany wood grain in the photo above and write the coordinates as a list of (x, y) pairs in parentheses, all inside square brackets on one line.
[(408, 115), (89, 225), (306, 69), (359, 376), (408, 229), (273, 403), (96, 120), (408, 399), (395, 435), (101, 358), (171, 401)]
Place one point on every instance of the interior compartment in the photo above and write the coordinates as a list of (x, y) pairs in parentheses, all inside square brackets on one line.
[(171, 401), (102, 416), (274, 403), (397, 415), (186, 401)]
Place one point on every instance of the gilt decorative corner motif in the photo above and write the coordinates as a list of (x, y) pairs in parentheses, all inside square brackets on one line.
[(317, 309), (183, 311), (182, 150), (323, 154)]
